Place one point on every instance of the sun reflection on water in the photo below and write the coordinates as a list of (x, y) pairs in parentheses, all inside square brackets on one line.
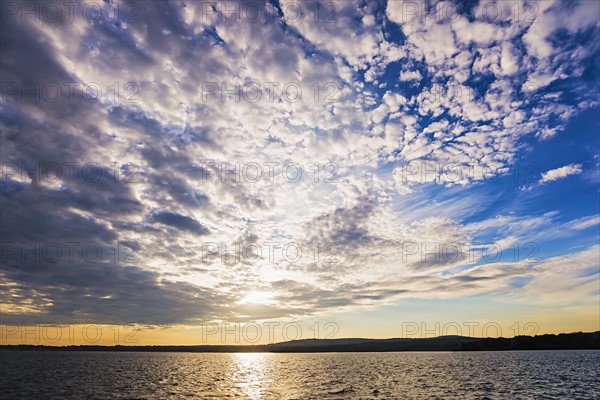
[(249, 374)]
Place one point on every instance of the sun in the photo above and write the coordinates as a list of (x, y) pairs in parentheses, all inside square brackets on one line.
[(256, 297)]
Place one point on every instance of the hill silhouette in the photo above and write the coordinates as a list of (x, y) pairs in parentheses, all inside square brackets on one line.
[(563, 341)]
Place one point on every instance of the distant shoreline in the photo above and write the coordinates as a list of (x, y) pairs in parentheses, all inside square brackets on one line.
[(563, 341)]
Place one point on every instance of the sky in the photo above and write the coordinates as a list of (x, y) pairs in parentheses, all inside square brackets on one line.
[(193, 172)]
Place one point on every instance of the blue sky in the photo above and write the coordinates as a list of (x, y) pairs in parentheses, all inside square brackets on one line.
[(286, 161)]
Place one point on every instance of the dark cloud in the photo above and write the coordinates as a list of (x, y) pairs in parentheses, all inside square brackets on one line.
[(64, 290), (105, 293), (344, 226), (179, 221)]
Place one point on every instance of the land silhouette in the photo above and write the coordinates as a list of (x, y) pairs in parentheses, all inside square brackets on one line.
[(563, 341)]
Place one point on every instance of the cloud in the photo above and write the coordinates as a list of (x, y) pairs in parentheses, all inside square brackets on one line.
[(565, 280), (102, 293), (560, 173), (410, 75), (178, 221), (585, 223), (381, 90)]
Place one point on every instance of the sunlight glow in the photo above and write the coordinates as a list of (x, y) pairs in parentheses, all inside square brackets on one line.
[(255, 297)]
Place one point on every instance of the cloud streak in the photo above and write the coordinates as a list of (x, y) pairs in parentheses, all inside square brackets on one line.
[(561, 173)]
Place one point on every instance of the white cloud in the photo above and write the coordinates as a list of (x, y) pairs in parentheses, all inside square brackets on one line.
[(585, 223), (565, 279), (508, 62), (560, 173), (410, 76)]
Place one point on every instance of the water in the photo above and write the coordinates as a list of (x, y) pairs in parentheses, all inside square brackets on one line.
[(481, 375)]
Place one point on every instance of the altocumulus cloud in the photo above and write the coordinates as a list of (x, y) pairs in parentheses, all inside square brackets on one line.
[(376, 98)]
